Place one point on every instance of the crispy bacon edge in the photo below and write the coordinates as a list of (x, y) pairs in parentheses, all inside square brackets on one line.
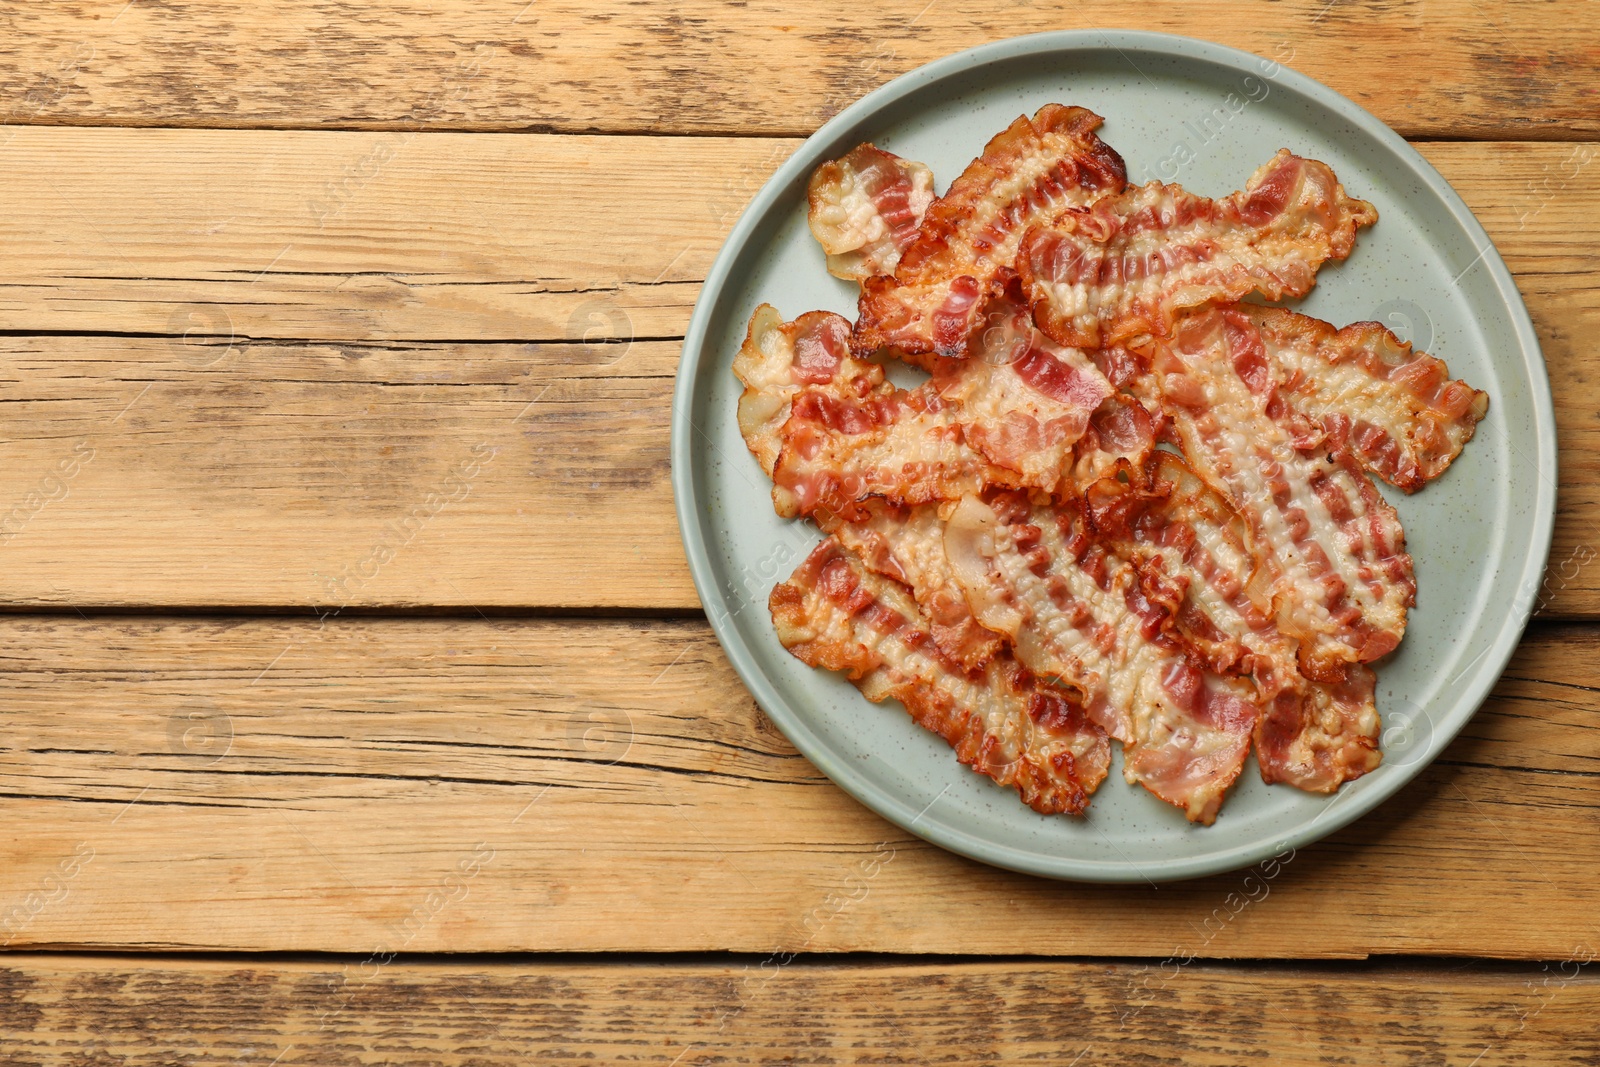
[(837, 452), (811, 411)]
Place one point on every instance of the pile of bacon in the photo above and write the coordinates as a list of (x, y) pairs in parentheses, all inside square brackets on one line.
[(1010, 555)]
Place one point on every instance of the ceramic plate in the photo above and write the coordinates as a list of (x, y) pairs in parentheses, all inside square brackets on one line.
[(1205, 116)]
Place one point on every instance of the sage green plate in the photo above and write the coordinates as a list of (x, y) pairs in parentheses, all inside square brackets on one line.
[(1205, 116)]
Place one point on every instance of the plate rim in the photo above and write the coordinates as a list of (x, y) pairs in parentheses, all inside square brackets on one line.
[(891, 806)]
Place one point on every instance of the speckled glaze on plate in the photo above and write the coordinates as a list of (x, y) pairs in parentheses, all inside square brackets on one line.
[(1205, 116)]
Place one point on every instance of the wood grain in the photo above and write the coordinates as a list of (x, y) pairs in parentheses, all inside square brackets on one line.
[(251, 472), (97, 1009), (358, 236), (317, 478), (1450, 67), (603, 785), (253, 358)]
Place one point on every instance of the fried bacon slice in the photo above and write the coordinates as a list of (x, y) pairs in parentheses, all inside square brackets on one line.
[(835, 613), (1194, 556), (1023, 400), (865, 208), (831, 431), (903, 445), (907, 544), (780, 359), (1074, 611), (1333, 547), (964, 251), (1322, 735), (1363, 389), (1120, 270)]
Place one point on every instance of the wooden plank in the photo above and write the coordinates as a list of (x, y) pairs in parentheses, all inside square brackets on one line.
[(359, 236), (603, 785), (778, 1012), (1450, 67), (320, 478), (250, 473)]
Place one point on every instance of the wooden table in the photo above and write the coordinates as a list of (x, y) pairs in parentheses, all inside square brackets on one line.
[(357, 705)]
